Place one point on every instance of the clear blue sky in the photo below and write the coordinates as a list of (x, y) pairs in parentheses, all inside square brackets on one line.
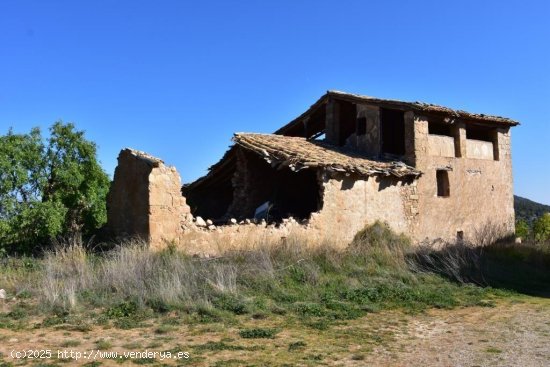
[(177, 78)]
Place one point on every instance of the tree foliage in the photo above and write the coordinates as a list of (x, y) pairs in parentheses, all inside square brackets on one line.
[(541, 228), (49, 187)]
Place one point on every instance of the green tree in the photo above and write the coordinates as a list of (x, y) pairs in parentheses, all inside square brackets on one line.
[(522, 229), (541, 228), (49, 187)]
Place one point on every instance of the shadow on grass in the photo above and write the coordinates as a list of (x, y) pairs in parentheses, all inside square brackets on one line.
[(524, 268)]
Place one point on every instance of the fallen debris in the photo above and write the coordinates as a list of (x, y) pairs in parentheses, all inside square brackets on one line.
[(199, 222)]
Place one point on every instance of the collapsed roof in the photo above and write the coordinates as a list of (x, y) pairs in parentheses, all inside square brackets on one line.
[(298, 153)]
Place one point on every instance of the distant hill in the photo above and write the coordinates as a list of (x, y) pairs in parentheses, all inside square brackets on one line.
[(529, 210)]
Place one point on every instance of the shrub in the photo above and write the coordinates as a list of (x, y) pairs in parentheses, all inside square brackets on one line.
[(103, 344), (309, 309), (380, 244), (299, 345), (124, 309), (379, 235), (522, 229), (258, 333), (230, 303), (317, 286)]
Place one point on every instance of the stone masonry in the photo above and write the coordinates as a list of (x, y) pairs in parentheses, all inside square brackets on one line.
[(145, 199)]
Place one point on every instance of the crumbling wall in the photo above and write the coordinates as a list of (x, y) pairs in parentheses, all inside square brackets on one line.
[(167, 207), (349, 204), (145, 199)]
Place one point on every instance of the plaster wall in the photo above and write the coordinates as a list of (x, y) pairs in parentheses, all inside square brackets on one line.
[(478, 149), (442, 146), (350, 203)]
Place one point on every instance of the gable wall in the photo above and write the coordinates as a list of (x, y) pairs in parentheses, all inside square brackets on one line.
[(481, 192)]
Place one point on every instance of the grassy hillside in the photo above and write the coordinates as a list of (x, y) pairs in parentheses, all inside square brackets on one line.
[(529, 210)]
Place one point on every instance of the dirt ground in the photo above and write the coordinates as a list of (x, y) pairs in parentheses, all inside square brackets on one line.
[(511, 334), (516, 332)]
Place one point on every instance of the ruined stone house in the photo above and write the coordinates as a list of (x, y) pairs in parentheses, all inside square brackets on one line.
[(349, 160)]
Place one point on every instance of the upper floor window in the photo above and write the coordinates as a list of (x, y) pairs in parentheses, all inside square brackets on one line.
[(436, 128)]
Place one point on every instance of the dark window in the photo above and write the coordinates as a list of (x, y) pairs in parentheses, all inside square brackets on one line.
[(435, 128), (361, 126), (480, 133), (443, 189), (393, 131)]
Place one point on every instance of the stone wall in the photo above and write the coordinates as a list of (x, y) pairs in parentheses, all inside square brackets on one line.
[(168, 211), (145, 199), (369, 141)]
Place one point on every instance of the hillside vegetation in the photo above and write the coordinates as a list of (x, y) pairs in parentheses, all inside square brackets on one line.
[(529, 210)]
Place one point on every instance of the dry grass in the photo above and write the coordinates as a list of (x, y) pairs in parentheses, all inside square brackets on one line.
[(493, 259), (133, 272), (290, 273)]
